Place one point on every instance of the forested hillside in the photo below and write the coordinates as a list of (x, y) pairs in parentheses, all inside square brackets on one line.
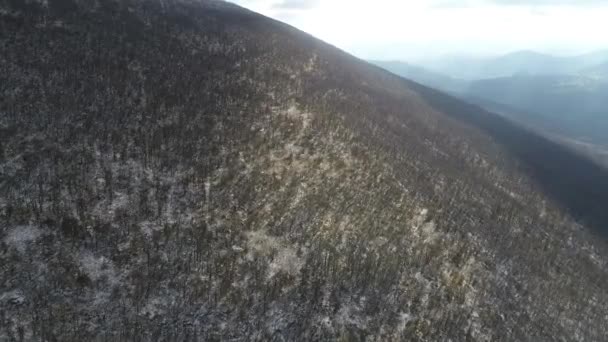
[(189, 170)]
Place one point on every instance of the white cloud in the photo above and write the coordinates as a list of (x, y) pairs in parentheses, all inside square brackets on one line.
[(470, 3), (410, 29), (296, 4)]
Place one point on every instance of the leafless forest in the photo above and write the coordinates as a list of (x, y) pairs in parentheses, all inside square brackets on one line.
[(189, 170)]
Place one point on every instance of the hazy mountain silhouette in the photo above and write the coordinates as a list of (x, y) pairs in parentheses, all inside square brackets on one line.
[(424, 76), (572, 103), (520, 62), (600, 71)]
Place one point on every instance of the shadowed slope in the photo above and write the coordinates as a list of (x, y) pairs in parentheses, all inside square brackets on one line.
[(577, 183)]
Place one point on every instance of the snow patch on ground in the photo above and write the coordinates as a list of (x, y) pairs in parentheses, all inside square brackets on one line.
[(98, 268), (351, 315), (311, 65), (148, 228), (287, 258), (262, 243), (14, 297), (106, 210), (287, 261), (297, 115), (404, 319), (424, 228), (20, 236), (154, 307), (120, 201)]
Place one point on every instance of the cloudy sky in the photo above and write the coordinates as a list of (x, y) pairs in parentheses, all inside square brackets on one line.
[(416, 29)]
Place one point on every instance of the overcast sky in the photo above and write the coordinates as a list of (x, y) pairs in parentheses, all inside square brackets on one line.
[(414, 29)]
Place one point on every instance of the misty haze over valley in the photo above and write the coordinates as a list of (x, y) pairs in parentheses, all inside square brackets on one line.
[(564, 98)]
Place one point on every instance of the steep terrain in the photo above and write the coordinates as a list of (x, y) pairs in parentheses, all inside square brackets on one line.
[(190, 170)]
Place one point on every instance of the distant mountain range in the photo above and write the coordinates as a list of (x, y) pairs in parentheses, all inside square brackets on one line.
[(424, 76), (526, 62), (572, 105), (567, 96), (600, 71)]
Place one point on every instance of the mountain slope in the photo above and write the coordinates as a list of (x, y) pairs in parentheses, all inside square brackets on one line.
[(190, 170)]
